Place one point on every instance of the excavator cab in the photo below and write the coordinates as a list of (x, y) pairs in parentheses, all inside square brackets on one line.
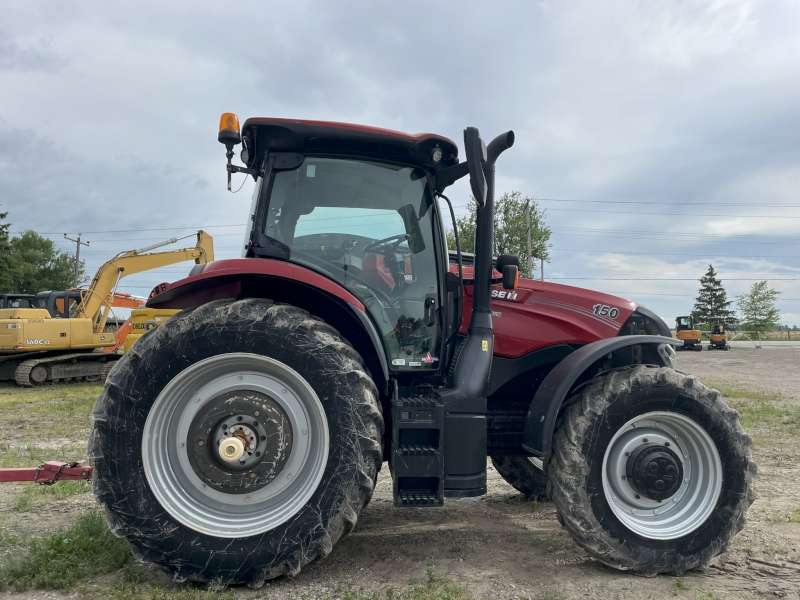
[(685, 330), (60, 304)]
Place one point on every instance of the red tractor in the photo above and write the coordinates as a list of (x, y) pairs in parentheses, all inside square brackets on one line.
[(240, 440)]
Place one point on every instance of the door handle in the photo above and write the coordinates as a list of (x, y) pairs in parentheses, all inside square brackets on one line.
[(429, 313)]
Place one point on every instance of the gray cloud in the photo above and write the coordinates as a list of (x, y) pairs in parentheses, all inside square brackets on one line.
[(109, 115)]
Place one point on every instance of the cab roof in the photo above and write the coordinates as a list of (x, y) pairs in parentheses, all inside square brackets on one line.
[(265, 134)]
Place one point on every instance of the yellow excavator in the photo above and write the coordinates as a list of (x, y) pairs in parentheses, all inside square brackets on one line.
[(718, 338), (685, 330), (37, 348)]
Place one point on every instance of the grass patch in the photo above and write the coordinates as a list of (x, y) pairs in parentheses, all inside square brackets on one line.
[(733, 391), (35, 494), (46, 423), (549, 546), (758, 409), (62, 559), (33, 456), (760, 414), (679, 586), (434, 588), (793, 517)]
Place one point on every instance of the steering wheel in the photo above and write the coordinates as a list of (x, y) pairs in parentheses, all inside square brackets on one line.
[(401, 237), (327, 267)]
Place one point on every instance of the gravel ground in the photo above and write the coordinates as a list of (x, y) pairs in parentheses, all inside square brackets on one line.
[(502, 546)]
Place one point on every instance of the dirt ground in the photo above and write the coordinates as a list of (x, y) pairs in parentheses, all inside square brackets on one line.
[(502, 546)]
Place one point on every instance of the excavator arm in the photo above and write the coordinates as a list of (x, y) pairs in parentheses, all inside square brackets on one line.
[(129, 263)]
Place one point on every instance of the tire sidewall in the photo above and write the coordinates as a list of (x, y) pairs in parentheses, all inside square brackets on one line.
[(627, 404), (325, 362)]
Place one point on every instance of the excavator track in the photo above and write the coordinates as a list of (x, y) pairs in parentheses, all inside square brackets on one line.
[(86, 366)]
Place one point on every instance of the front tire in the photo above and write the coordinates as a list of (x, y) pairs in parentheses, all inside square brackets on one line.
[(237, 442), (651, 471)]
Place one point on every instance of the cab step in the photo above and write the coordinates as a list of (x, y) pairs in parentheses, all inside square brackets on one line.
[(417, 459)]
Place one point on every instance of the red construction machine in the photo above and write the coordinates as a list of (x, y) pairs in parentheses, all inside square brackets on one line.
[(240, 440)]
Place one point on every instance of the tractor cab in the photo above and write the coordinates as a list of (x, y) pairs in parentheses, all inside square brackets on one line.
[(362, 213), (369, 226)]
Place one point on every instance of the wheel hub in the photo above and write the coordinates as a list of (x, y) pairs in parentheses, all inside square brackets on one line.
[(654, 471), (240, 441)]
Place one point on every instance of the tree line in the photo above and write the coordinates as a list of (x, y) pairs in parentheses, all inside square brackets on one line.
[(757, 307), (30, 263)]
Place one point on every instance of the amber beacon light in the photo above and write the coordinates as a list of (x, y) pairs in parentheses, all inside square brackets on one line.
[(230, 136)]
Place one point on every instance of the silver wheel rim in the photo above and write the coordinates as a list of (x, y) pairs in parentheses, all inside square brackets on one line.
[(693, 502), (174, 482)]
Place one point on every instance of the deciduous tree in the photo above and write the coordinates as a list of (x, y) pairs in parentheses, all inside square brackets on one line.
[(5, 254), (37, 265), (759, 312), (510, 230)]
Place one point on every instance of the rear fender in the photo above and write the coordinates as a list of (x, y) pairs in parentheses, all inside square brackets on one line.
[(316, 294), (576, 368)]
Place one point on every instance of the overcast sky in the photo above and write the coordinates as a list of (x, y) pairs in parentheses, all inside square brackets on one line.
[(661, 136)]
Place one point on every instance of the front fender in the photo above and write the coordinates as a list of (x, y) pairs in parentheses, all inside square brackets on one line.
[(550, 396)]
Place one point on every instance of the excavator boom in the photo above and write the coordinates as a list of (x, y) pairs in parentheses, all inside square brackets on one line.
[(36, 348), (130, 263)]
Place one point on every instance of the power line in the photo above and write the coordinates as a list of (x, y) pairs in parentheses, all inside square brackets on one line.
[(671, 203), (612, 235), (716, 256), (781, 279)]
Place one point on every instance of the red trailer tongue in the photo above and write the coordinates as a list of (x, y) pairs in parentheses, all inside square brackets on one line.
[(49, 473)]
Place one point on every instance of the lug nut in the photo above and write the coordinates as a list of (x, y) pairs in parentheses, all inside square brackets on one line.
[(239, 418), (645, 440), (256, 413), (201, 443)]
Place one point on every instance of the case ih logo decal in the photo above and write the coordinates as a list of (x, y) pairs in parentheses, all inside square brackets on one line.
[(503, 295)]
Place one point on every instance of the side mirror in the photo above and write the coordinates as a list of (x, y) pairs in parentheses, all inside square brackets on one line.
[(475, 151), (510, 277)]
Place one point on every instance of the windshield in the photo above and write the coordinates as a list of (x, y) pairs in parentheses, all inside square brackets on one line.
[(367, 225)]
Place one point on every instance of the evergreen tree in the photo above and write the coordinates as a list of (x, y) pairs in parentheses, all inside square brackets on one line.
[(510, 230), (759, 312), (711, 304)]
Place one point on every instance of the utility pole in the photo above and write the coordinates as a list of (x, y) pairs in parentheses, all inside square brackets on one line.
[(528, 222), (78, 243)]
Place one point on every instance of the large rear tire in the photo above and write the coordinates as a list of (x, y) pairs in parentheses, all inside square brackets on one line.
[(651, 471), (524, 474), (237, 442)]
